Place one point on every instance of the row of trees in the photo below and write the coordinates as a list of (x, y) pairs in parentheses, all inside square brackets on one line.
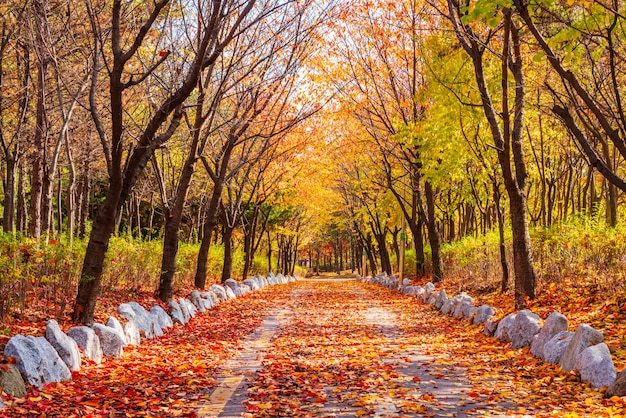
[(165, 116), (465, 115)]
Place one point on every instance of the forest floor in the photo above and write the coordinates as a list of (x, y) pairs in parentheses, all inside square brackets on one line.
[(327, 347)]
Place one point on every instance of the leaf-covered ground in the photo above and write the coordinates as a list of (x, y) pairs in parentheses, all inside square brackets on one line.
[(342, 348)]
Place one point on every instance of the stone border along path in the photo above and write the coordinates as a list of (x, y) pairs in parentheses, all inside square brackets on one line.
[(443, 386), (583, 351), (43, 360)]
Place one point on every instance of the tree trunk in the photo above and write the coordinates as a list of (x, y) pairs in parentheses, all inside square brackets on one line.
[(8, 214), (504, 284), (210, 223), (90, 282), (20, 217), (433, 233), (228, 253), (171, 230)]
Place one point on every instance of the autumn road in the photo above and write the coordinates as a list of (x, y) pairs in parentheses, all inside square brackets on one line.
[(341, 348)]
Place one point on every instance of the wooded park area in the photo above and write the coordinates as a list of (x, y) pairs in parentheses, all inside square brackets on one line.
[(162, 145)]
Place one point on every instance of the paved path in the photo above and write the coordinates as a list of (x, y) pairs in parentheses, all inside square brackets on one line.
[(338, 350)]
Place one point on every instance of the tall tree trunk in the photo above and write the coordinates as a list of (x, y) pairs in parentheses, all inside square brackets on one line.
[(21, 217), (228, 252), (8, 214), (210, 223), (433, 233), (504, 284), (39, 142)]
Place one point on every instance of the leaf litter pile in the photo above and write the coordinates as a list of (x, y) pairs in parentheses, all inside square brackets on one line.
[(346, 349)]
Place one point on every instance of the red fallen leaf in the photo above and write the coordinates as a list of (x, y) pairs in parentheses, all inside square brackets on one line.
[(320, 400), (417, 379), (473, 394), (162, 53), (11, 360)]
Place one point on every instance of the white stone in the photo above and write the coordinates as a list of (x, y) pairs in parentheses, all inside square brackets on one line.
[(37, 361), (448, 306), (554, 348), (177, 313), (117, 326), (554, 324), (161, 317), (441, 299), (219, 291), (131, 333), (196, 299), (190, 307), (490, 327), (253, 284), (502, 332), (110, 340), (184, 309), (596, 366), (524, 329), (429, 289), (584, 337), (483, 313), (65, 346), (88, 341), (230, 294), (469, 311)]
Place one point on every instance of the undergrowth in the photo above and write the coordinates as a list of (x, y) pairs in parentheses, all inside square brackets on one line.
[(40, 277)]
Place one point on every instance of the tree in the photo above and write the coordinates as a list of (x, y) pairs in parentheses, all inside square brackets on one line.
[(382, 80), (217, 24), (591, 79), (476, 38)]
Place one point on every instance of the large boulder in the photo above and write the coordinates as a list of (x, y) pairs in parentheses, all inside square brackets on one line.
[(555, 323), (11, 381), (555, 347), (524, 329), (88, 341), (37, 360), (483, 314), (594, 364), (177, 313), (114, 323), (618, 387), (65, 346), (584, 337), (184, 307), (110, 340), (502, 332)]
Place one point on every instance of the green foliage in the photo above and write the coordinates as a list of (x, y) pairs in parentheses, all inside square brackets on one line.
[(580, 249)]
